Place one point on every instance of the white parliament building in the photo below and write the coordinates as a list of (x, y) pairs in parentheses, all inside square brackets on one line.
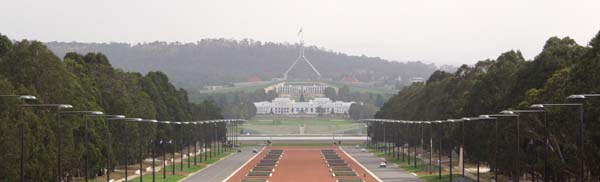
[(287, 106)]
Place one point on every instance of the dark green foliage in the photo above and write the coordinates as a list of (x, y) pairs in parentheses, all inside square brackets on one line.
[(509, 82), (88, 82)]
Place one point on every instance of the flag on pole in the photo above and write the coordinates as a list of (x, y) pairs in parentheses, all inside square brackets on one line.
[(299, 32)]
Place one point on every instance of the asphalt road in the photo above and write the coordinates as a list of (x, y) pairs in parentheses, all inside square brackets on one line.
[(222, 169), (371, 162)]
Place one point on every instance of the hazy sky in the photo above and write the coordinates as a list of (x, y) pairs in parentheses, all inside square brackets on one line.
[(433, 31)]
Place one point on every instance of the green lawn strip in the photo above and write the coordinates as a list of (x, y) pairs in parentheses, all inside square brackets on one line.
[(357, 88), (445, 177), (159, 177), (263, 168), (338, 165), (341, 169), (344, 173), (178, 176), (305, 144), (259, 173), (336, 161), (300, 121)]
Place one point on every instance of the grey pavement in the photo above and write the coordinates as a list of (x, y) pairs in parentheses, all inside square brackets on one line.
[(223, 168), (371, 162)]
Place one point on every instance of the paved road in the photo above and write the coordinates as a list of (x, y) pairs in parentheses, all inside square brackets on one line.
[(371, 162), (222, 169)]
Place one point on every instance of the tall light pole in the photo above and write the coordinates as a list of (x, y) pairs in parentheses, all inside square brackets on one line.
[(450, 121), (216, 138), (162, 143), (195, 139), (180, 147), (126, 141), (58, 109), (430, 144), (22, 98), (108, 136), (581, 174), (86, 135), (142, 142), (546, 142), (582, 130), (515, 113), (462, 145), (439, 122)]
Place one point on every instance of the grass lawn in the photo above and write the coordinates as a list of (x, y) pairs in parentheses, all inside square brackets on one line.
[(179, 174), (298, 121), (159, 177), (312, 125), (445, 177)]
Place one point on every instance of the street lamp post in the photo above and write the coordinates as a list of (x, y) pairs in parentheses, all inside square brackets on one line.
[(141, 149), (216, 138), (514, 113), (172, 147), (22, 98), (450, 121), (127, 144), (430, 145), (439, 148), (182, 144), (58, 108), (582, 131), (164, 153), (581, 174), (86, 135), (195, 142)]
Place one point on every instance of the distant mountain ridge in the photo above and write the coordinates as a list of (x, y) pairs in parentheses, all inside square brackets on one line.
[(222, 61)]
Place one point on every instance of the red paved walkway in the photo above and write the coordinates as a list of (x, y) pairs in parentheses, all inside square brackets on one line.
[(302, 164)]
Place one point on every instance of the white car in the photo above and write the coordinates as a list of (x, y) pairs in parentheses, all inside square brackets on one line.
[(363, 150), (383, 164)]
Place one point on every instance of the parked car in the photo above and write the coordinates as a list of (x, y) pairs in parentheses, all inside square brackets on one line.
[(363, 150), (254, 151)]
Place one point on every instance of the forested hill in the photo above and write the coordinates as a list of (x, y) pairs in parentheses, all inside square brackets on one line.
[(510, 82), (218, 61)]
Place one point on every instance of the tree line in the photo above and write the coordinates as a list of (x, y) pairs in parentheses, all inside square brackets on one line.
[(88, 82), (221, 61), (510, 82)]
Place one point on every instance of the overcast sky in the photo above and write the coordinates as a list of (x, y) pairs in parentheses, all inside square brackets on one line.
[(432, 31)]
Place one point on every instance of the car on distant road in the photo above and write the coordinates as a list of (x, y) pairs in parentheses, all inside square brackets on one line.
[(383, 164), (363, 150)]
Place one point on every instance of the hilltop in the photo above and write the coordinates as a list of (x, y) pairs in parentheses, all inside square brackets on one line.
[(223, 61)]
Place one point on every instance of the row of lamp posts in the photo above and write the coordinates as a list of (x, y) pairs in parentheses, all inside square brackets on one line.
[(218, 135), (377, 136)]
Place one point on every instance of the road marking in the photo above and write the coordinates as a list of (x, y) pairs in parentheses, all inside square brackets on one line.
[(359, 164), (240, 168)]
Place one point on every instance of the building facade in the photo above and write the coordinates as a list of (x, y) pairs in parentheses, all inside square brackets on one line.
[(287, 106), (295, 89)]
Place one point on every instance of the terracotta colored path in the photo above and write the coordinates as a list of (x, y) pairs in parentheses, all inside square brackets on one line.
[(302, 164)]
